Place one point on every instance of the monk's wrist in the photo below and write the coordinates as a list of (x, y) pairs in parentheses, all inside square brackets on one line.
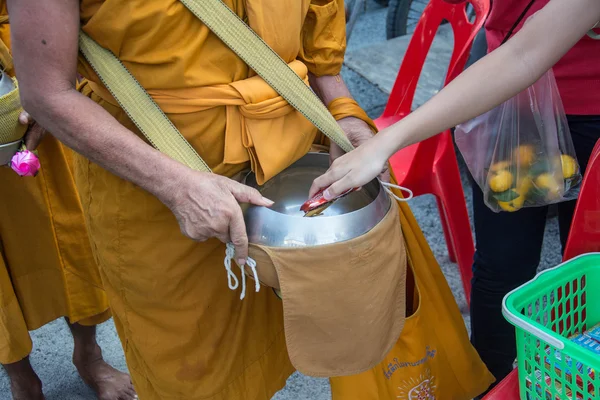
[(166, 184), (329, 87)]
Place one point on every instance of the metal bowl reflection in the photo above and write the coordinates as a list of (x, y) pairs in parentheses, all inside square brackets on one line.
[(284, 225)]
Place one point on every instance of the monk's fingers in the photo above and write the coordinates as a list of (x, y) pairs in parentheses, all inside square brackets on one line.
[(25, 118), (246, 194), (223, 237), (194, 235), (238, 236), (34, 136)]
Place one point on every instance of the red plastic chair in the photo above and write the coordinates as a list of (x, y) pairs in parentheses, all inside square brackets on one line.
[(507, 389), (584, 237), (430, 167)]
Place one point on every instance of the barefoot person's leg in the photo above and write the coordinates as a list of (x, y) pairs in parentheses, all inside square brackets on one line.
[(24, 382), (107, 382)]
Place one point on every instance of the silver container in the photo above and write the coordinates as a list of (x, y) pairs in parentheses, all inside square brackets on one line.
[(6, 84), (284, 225), (7, 151)]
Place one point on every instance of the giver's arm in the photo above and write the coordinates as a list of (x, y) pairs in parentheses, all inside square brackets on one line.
[(544, 39), (494, 79), (45, 47)]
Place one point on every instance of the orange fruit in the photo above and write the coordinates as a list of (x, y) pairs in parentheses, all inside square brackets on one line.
[(501, 181)]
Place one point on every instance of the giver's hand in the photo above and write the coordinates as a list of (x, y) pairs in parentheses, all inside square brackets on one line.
[(35, 133), (207, 206), (351, 170), (358, 132)]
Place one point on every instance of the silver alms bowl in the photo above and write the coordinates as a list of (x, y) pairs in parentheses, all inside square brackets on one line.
[(284, 225)]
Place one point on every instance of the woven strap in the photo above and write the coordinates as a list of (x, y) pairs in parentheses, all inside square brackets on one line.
[(139, 106), (250, 47)]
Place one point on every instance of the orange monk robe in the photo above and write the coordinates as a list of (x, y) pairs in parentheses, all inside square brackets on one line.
[(185, 334), (47, 269)]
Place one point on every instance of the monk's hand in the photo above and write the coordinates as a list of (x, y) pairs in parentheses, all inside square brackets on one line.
[(35, 133), (358, 132), (351, 170), (207, 206)]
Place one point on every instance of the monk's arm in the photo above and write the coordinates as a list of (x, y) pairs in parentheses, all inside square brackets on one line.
[(329, 87), (45, 34), (45, 47)]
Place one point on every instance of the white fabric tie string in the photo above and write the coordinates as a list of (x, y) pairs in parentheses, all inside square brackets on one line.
[(232, 279), (389, 186)]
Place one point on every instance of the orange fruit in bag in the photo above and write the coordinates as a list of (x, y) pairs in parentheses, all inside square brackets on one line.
[(513, 205), (569, 166), (516, 204), (501, 181), (499, 166), (524, 155), (550, 184)]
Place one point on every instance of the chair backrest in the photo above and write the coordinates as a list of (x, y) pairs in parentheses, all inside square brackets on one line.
[(584, 236), (403, 91)]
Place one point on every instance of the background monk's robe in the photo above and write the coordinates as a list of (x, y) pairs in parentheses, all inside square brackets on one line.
[(185, 334), (47, 269)]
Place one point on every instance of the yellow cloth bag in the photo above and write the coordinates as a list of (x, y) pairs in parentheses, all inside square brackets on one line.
[(433, 358)]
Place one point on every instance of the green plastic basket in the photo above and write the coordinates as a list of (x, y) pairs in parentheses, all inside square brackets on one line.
[(546, 311)]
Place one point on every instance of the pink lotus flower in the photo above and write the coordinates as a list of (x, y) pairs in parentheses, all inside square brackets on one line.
[(25, 163)]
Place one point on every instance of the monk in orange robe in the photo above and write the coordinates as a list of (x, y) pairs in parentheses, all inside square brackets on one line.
[(185, 334), (47, 269)]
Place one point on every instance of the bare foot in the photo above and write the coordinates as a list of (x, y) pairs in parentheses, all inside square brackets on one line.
[(26, 390), (24, 382), (107, 382)]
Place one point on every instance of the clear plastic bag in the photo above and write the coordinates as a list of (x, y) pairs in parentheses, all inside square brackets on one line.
[(521, 153)]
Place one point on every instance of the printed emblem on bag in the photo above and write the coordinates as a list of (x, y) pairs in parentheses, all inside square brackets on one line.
[(394, 366), (422, 388)]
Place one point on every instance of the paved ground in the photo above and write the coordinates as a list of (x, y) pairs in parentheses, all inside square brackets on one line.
[(51, 355)]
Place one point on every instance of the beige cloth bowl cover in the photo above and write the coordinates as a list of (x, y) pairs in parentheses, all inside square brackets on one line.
[(344, 304)]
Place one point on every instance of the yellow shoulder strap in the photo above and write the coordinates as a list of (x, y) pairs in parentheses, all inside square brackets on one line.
[(139, 106)]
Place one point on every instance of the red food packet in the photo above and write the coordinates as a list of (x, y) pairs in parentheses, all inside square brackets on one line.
[(318, 203)]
